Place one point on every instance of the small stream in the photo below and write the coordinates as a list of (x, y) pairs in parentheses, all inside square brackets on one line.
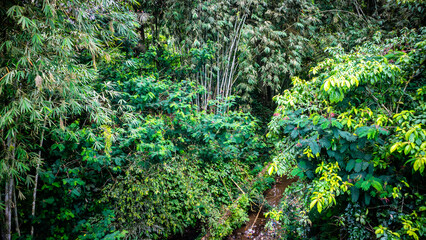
[(254, 228)]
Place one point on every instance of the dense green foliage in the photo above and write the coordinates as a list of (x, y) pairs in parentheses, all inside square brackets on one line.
[(355, 135), (131, 119), (182, 162)]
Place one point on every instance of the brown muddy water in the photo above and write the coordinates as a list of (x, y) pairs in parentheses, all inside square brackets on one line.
[(254, 228)]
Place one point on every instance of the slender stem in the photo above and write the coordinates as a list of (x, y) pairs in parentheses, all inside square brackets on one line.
[(237, 185), (36, 177), (377, 101), (9, 189), (229, 194), (257, 216), (403, 92), (15, 208), (8, 207)]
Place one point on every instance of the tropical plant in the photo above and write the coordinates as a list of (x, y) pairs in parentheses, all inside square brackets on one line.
[(350, 130), (45, 79)]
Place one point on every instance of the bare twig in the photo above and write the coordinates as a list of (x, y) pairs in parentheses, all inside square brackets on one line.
[(229, 194), (237, 185), (256, 217)]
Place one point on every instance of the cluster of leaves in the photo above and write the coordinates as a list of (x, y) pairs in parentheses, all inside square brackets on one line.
[(255, 46), (48, 56), (111, 138), (93, 139), (184, 165), (355, 135), (161, 165)]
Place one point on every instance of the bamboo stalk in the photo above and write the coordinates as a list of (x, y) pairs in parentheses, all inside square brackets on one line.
[(9, 190), (8, 207), (36, 177), (256, 217), (15, 208), (237, 185)]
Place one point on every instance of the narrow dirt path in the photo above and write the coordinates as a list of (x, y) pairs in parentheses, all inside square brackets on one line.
[(254, 228)]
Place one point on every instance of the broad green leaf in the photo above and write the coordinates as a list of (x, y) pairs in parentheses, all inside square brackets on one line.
[(377, 185), (316, 119), (394, 147), (350, 165), (314, 147), (294, 133), (297, 172), (325, 125), (354, 194), (358, 166), (362, 131), (348, 136), (324, 142), (326, 85), (367, 199), (365, 165), (310, 174), (365, 185), (337, 124), (312, 204), (407, 149), (319, 206), (419, 164)]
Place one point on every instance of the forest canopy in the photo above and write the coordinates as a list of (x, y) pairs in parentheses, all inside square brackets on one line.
[(163, 119)]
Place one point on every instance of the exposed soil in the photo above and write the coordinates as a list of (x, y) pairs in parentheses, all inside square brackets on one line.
[(254, 228), (189, 233)]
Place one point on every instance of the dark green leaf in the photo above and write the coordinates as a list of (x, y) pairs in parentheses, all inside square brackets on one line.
[(294, 134), (325, 143), (354, 194), (365, 165), (350, 165), (358, 166), (314, 147), (325, 125), (367, 198), (347, 135)]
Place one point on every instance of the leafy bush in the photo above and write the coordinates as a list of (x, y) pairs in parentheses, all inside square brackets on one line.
[(355, 135), (183, 165)]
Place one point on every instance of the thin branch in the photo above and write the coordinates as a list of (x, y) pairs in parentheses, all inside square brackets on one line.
[(377, 101), (405, 88), (256, 216), (344, 11), (229, 194), (237, 185)]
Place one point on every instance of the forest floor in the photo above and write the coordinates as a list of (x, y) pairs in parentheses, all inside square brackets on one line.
[(255, 227)]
